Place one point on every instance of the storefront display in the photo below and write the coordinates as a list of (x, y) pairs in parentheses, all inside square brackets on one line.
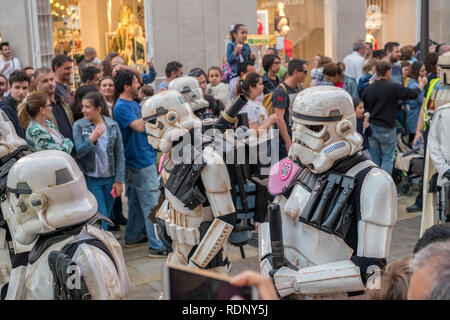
[(128, 40), (374, 21), (300, 22), (78, 24)]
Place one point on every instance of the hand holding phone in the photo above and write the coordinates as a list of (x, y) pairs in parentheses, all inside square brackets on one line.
[(185, 283)]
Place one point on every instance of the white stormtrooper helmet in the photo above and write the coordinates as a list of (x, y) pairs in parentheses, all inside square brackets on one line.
[(168, 118), (324, 129), (191, 91), (9, 140), (47, 191), (444, 64)]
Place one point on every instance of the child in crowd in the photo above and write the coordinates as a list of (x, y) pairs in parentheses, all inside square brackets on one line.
[(146, 92), (369, 76), (362, 124), (216, 87), (238, 52)]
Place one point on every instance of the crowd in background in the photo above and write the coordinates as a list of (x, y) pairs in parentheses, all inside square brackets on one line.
[(101, 125)]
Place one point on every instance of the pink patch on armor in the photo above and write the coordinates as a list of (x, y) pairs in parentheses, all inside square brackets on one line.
[(281, 176), (286, 170)]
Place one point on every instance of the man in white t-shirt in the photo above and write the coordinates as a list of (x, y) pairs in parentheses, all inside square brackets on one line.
[(354, 62), (8, 64)]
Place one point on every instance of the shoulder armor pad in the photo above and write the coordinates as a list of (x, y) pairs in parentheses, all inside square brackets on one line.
[(379, 198), (281, 176)]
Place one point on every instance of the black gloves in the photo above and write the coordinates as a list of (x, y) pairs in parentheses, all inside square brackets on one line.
[(447, 174)]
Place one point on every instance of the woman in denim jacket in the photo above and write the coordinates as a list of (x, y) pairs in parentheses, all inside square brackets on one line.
[(35, 114), (100, 151), (417, 70), (238, 52)]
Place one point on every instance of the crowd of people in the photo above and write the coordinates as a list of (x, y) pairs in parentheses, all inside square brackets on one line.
[(101, 125), (114, 155)]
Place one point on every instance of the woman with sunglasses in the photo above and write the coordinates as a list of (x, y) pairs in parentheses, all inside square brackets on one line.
[(35, 114)]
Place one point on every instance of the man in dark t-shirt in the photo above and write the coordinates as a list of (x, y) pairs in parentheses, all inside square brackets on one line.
[(381, 100), (283, 98)]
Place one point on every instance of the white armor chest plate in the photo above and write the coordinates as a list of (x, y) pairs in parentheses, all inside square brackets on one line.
[(307, 246)]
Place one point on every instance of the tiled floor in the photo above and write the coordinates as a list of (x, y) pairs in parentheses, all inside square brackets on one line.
[(146, 273)]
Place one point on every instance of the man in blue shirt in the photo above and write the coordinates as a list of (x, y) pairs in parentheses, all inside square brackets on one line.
[(142, 182)]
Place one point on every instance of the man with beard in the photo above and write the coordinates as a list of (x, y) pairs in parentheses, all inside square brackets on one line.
[(62, 114), (392, 51), (62, 67), (9, 63), (142, 182)]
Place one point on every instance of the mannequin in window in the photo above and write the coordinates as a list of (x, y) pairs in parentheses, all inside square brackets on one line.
[(281, 21), (125, 37)]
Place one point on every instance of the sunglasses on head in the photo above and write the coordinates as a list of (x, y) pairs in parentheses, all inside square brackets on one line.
[(195, 73)]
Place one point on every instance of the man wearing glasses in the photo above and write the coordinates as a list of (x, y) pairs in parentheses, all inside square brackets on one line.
[(283, 98)]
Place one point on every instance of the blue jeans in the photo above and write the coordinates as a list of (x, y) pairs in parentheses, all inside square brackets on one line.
[(101, 189), (382, 145), (142, 187)]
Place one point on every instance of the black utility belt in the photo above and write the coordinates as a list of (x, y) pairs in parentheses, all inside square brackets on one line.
[(329, 207)]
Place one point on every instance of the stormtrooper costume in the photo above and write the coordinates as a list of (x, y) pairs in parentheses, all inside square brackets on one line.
[(197, 216), (436, 159), (12, 148), (192, 94), (71, 256), (331, 222)]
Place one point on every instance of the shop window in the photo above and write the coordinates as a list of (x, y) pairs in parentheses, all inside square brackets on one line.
[(45, 32), (81, 23), (301, 22), (374, 22)]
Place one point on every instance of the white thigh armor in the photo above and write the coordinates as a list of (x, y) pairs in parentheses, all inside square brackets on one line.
[(321, 263), (199, 234)]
